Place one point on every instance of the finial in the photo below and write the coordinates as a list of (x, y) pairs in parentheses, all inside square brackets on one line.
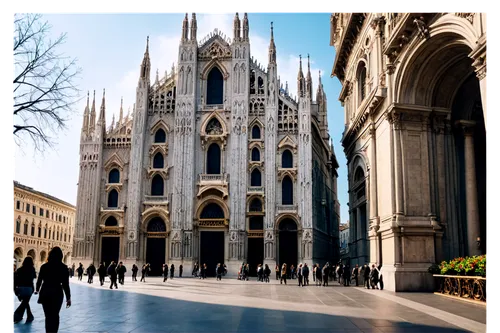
[(193, 16), (103, 92), (186, 17), (121, 105), (308, 64), (147, 44), (237, 17), (88, 98)]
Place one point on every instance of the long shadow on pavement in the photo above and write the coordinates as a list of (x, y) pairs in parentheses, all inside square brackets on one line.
[(101, 310)]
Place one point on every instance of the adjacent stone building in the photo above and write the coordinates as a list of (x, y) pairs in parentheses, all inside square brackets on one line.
[(414, 96), (217, 164), (41, 222)]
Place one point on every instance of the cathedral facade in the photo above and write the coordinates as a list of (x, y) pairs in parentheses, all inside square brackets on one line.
[(414, 96), (217, 164)]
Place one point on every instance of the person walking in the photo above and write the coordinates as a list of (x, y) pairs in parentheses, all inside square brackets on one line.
[(172, 270), (346, 275), (220, 271), (318, 275), (134, 272), (112, 272), (180, 271), (204, 271), (143, 272), (326, 273), (277, 270), (23, 289), (355, 274), (196, 267), (283, 273), (53, 280), (79, 270), (90, 273), (305, 274), (72, 270), (374, 275), (314, 273), (267, 273), (102, 273), (292, 271), (165, 272), (260, 273), (299, 274), (339, 273), (121, 270)]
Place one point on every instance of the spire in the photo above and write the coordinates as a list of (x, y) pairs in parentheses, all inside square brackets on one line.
[(112, 122), (102, 115), (319, 92), (245, 28), (236, 28), (86, 115), (286, 88), (300, 80), (194, 27), (309, 89), (185, 28), (272, 48), (120, 120), (157, 76), (92, 116), (146, 63)]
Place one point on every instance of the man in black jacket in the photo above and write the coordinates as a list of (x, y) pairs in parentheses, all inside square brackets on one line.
[(305, 273), (112, 275), (102, 273), (121, 270)]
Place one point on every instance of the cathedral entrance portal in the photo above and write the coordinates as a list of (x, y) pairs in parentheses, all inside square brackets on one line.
[(156, 245), (110, 250), (255, 255), (212, 242), (288, 243)]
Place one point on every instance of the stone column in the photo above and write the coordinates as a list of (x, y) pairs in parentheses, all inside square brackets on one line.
[(480, 68), (399, 165), (373, 178), (473, 226)]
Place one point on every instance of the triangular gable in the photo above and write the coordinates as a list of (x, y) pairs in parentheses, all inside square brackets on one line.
[(112, 161)]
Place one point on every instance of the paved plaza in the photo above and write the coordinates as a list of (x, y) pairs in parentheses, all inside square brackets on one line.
[(193, 305)]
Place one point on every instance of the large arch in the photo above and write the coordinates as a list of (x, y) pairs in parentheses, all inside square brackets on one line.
[(438, 74), (212, 215), (156, 244), (287, 241)]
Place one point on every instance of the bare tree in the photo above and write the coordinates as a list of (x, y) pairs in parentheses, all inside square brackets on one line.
[(44, 82)]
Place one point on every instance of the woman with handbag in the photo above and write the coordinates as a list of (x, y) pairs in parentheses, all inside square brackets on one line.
[(53, 280), (23, 288)]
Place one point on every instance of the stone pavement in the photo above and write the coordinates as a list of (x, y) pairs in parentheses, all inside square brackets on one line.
[(193, 305)]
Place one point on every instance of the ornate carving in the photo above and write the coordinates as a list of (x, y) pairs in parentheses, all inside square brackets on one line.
[(234, 236), (214, 51), (423, 30), (213, 223), (468, 16), (269, 235)]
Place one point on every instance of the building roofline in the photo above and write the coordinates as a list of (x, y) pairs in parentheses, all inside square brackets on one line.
[(45, 195)]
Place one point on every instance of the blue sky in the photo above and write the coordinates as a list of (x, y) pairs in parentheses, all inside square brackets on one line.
[(109, 49)]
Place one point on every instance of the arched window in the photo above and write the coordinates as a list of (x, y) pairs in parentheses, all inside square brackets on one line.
[(255, 154), (288, 225), (213, 159), (111, 222), (157, 185), (215, 86), (18, 226), (65, 237), (287, 191), (114, 176), (212, 211), (158, 161), (359, 175), (287, 159), (157, 225), (160, 136), (362, 82), (45, 232), (255, 178), (57, 238), (255, 205), (33, 230), (214, 127), (260, 81), (113, 198), (252, 82), (256, 132)]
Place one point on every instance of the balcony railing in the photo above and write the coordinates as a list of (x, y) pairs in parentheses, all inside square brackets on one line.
[(256, 189), (212, 178), (286, 208), (156, 198)]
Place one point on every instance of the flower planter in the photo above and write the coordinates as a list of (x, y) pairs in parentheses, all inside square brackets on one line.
[(463, 287)]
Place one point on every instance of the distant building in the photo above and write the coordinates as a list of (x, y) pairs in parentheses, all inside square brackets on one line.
[(41, 222)]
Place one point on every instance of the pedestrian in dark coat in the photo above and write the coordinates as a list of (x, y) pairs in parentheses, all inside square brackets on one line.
[(195, 270), (267, 273), (134, 272), (305, 273), (80, 272), (172, 270), (52, 281), (203, 271), (165, 272), (90, 273), (325, 273), (277, 270), (113, 275), (355, 274), (121, 270), (24, 288), (180, 270), (374, 277), (317, 272), (283, 273), (220, 271), (102, 273), (346, 275), (299, 274)]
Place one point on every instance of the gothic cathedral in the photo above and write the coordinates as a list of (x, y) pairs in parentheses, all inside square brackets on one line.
[(217, 164)]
